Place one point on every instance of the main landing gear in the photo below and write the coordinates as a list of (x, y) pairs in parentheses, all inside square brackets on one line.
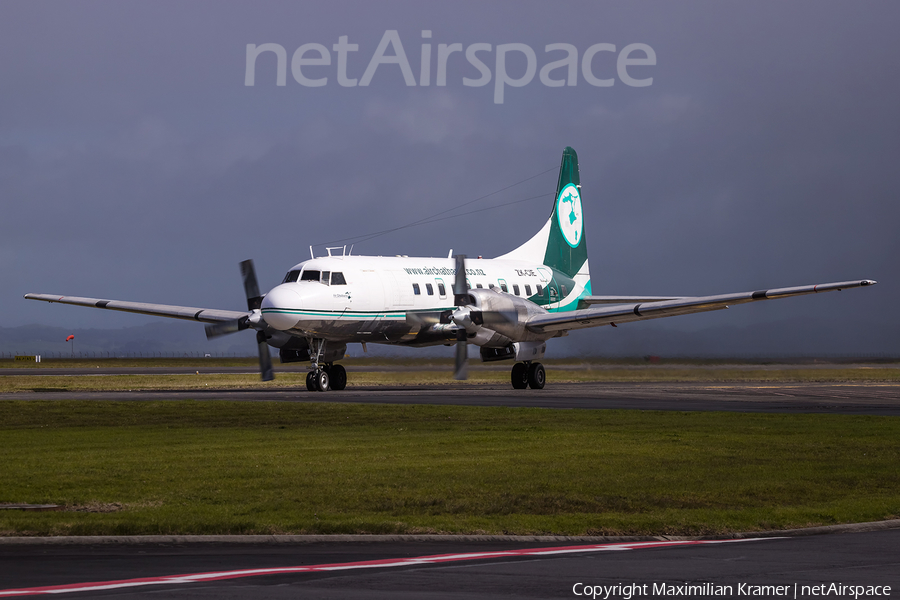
[(328, 376), (528, 374)]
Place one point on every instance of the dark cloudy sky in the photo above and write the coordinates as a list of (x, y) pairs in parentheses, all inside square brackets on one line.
[(136, 165)]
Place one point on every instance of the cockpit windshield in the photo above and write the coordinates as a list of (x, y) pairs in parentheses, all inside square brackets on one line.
[(309, 276), (291, 277)]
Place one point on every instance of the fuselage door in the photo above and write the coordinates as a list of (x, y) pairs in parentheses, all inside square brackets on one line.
[(400, 286)]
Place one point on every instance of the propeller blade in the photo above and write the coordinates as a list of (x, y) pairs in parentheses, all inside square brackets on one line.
[(266, 372), (460, 287), (462, 356), (251, 287), (461, 298), (254, 301), (214, 330)]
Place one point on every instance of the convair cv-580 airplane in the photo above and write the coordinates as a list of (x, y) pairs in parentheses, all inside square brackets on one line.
[(509, 306)]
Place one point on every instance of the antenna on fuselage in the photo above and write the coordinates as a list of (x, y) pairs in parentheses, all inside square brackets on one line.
[(311, 255), (450, 255)]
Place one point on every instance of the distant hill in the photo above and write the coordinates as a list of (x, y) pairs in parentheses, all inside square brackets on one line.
[(799, 337), (786, 338), (165, 338)]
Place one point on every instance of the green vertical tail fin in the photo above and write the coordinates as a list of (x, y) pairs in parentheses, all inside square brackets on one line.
[(560, 245), (566, 246)]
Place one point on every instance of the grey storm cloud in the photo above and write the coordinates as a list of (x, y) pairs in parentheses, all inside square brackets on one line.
[(136, 164)]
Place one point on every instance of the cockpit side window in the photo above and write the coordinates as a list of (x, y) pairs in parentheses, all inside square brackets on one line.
[(309, 276), (337, 278), (291, 277), (326, 277)]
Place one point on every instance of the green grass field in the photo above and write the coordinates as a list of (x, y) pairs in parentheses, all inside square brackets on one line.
[(217, 467)]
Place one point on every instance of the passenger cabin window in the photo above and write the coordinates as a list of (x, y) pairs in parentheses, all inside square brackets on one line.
[(516, 289), (479, 286), (416, 290), (503, 287), (337, 278), (310, 276), (491, 285), (540, 291), (291, 277), (430, 289), (326, 277), (527, 289), (441, 289)]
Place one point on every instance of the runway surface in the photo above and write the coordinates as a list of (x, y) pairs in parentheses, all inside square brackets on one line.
[(450, 569), (837, 398)]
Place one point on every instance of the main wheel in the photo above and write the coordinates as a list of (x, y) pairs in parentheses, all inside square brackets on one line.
[(322, 381), (537, 377), (338, 377), (520, 376), (311, 381)]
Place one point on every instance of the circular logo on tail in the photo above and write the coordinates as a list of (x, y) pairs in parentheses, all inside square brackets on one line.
[(568, 214)]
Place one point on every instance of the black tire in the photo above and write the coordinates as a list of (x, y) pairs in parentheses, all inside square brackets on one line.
[(537, 376), (311, 381), (322, 381), (338, 376), (520, 376)]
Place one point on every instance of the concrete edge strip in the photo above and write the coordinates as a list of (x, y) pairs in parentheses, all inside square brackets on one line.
[(310, 539)]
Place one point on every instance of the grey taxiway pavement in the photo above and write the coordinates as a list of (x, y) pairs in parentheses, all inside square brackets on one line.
[(449, 568), (839, 398)]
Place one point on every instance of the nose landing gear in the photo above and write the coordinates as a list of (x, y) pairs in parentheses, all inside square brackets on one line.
[(325, 376), (528, 374), (317, 381)]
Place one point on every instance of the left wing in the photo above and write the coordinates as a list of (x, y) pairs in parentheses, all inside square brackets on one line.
[(204, 315), (624, 313)]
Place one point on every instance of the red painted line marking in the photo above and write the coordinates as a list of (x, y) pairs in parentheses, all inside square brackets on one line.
[(365, 564)]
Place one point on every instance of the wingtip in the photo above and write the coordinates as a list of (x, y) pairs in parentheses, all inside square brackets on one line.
[(868, 282)]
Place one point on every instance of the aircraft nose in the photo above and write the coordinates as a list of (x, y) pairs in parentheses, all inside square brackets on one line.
[(281, 307)]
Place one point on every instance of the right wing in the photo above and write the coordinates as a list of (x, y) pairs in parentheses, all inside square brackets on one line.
[(204, 315), (639, 311)]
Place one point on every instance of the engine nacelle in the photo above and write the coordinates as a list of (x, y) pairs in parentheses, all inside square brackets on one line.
[(498, 319)]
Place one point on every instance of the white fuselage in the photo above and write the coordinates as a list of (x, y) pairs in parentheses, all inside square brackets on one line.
[(397, 299)]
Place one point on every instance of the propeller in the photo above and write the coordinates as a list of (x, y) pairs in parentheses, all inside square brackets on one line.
[(254, 320), (461, 300)]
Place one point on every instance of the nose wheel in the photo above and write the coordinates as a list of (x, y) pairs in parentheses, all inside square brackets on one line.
[(528, 374), (328, 377)]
